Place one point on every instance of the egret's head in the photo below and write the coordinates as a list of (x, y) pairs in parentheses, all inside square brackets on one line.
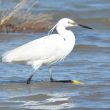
[(66, 22)]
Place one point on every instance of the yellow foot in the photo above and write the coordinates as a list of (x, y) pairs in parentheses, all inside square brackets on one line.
[(75, 82)]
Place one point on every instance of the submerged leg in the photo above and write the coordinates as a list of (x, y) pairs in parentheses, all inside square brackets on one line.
[(30, 77), (50, 72), (36, 65)]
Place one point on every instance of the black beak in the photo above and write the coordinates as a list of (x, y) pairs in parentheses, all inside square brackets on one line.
[(85, 26)]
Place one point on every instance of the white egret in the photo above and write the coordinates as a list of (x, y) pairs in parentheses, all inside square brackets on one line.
[(46, 50)]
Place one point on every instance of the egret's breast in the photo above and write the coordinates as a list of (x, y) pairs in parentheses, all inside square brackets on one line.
[(63, 48), (68, 45)]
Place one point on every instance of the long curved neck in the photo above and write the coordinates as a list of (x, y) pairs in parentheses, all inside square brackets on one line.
[(62, 31), (67, 35)]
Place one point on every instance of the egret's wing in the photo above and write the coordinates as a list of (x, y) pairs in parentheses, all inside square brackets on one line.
[(38, 49)]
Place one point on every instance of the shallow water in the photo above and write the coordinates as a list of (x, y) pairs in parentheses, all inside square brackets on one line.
[(89, 62)]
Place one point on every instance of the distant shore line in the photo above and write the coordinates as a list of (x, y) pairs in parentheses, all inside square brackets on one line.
[(38, 23)]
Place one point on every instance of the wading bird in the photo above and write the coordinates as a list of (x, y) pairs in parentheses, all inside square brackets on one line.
[(46, 50)]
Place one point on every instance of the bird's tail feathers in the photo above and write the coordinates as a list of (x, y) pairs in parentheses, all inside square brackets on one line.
[(7, 57)]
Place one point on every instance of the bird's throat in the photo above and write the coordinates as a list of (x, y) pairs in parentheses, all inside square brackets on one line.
[(62, 32)]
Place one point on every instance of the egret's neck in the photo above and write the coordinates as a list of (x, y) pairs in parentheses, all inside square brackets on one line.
[(63, 32)]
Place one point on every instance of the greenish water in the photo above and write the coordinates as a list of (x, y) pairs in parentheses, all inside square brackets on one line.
[(89, 62)]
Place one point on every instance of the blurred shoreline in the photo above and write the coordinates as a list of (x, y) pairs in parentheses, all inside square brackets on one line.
[(35, 23), (39, 16)]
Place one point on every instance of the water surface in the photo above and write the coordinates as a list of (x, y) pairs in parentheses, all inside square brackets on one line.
[(89, 62)]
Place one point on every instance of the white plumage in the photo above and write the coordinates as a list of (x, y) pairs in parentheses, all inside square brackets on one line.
[(46, 50)]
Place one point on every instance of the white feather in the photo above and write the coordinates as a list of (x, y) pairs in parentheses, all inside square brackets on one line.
[(46, 50)]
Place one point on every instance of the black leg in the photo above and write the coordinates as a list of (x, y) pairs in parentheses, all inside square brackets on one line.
[(51, 79), (50, 72), (29, 79)]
